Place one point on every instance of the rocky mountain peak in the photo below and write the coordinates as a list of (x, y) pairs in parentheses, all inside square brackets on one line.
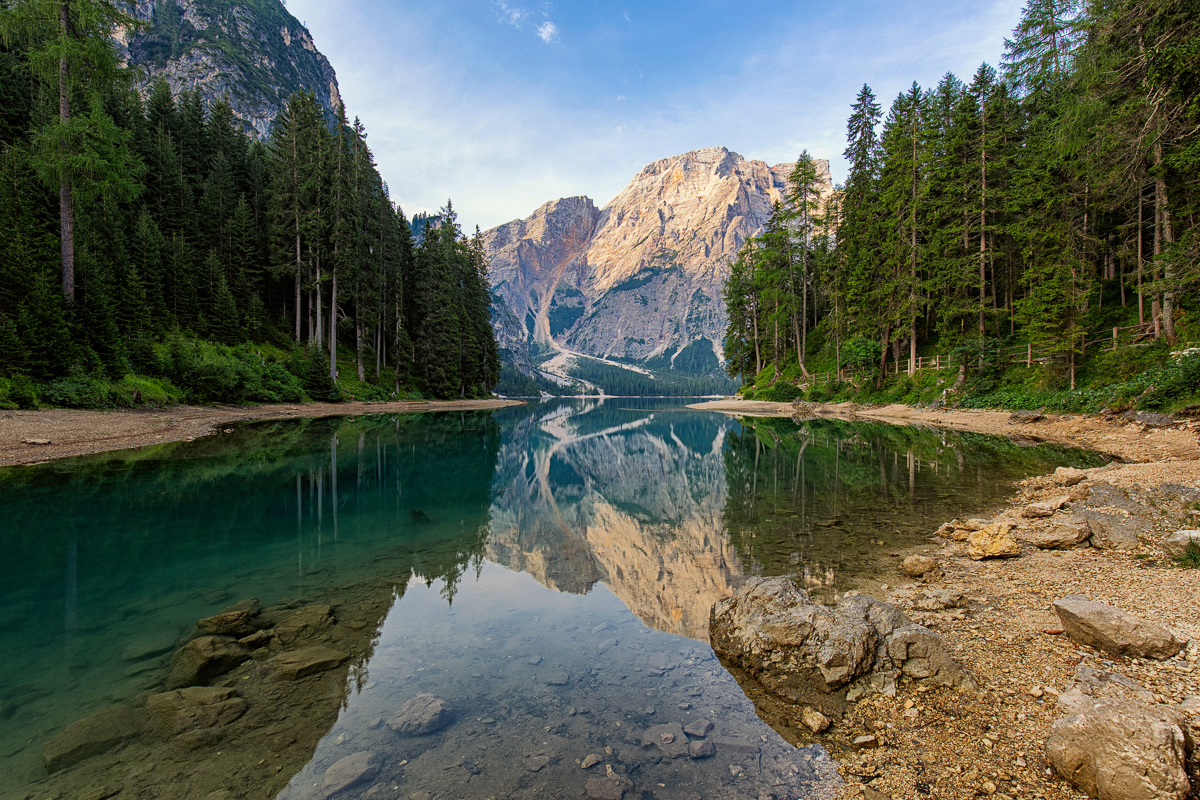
[(252, 51), (641, 279)]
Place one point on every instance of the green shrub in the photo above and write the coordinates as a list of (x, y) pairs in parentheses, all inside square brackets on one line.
[(1190, 557), (21, 392), (779, 392)]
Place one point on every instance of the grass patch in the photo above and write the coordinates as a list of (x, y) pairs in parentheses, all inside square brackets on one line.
[(1190, 557)]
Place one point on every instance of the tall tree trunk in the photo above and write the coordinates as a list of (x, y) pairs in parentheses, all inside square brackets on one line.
[(1168, 237), (1140, 260), (333, 326), (66, 196)]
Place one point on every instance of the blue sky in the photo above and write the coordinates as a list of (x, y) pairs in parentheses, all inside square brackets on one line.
[(502, 105)]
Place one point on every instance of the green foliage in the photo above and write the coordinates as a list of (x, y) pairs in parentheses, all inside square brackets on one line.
[(18, 392), (1190, 557)]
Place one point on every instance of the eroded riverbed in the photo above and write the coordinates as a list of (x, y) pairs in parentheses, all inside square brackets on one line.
[(546, 570)]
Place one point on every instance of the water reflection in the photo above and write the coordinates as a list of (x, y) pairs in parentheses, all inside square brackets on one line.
[(427, 537)]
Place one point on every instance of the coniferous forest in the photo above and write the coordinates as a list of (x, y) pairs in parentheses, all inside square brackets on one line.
[(1004, 222), (151, 251)]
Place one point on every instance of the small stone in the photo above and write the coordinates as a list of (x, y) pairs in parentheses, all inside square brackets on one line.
[(349, 772), (422, 715), (669, 738), (1068, 476), (814, 720), (865, 742), (590, 760), (988, 787), (1045, 508), (1179, 541), (535, 763), (37, 442), (701, 749), (534, 661), (1036, 692), (698, 728), (557, 679)]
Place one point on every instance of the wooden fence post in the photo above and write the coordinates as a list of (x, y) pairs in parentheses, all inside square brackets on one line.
[(1115, 338), (1029, 356)]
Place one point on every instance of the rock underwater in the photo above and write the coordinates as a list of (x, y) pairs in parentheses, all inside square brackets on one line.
[(827, 655)]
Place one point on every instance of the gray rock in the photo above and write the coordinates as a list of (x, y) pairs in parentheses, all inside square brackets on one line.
[(698, 729), (1104, 495), (1118, 750), (669, 738), (92, 736), (201, 660), (1113, 630), (351, 771), (1175, 491), (422, 715), (1062, 536), (558, 679), (734, 744), (1179, 541), (173, 713), (1151, 419), (296, 664), (1092, 684), (809, 652), (1024, 417), (1113, 531), (1045, 508), (536, 763), (304, 623), (591, 760), (229, 623), (701, 749)]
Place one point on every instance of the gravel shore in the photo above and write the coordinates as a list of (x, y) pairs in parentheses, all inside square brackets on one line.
[(949, 744)]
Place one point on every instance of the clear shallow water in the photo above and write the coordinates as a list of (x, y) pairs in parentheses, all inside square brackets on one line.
[(457, 549)]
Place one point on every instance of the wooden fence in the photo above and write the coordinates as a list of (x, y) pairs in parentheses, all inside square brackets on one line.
[(1128, 336)]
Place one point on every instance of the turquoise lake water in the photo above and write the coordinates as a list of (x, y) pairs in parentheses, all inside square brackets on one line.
[(480, 557)]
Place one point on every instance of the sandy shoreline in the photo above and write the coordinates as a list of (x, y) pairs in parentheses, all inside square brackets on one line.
[(31, 437), (948, 744)]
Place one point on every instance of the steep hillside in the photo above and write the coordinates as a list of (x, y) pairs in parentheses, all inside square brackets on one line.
[(253, 51), (639, 282)]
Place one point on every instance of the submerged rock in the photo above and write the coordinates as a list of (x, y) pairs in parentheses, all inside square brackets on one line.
[(1115, 631), (812, 653), (422, 715), (349, 772), (1120, 750), (201, 660), (229, 623), (669, 738), (302, 663), (173, 713), (92, 736), (305, 623)]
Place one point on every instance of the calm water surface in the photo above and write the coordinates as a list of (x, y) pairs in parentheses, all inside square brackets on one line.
[(547, 570)]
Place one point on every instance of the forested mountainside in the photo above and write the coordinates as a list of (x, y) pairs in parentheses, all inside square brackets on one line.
[(154, 251), (1042, 215), (251, 52), (628, 298)]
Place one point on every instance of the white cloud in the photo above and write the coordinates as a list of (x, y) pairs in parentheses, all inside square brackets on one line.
[(510, 14), (627, 19), (547, 32)]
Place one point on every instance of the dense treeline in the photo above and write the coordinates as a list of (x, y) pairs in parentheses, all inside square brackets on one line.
[(1056, 198), (155, 238)]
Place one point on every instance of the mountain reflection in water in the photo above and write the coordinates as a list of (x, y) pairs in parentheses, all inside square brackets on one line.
[(428, 537)]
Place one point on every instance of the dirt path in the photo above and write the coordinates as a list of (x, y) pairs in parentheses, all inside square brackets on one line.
[(30, 437), (947, 744)]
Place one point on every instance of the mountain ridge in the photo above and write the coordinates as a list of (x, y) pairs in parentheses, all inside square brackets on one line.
[(640, 280)]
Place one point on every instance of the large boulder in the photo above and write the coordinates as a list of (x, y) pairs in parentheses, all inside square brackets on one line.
[(812, 653), (201, 660), (1114, 531), (92, 736), (1092, 684), (173, 713), (1121, 750), (994, 541), (422, 715), (1115, 631), (1062, 536)]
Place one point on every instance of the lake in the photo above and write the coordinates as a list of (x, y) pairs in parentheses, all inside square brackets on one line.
[(545, 572)]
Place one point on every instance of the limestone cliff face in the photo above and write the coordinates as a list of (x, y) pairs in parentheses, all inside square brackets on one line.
[(252, 51), (642, 278)]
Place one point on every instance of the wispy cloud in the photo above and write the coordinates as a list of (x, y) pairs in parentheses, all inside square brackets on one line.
[(547, 31), (513, 15)]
